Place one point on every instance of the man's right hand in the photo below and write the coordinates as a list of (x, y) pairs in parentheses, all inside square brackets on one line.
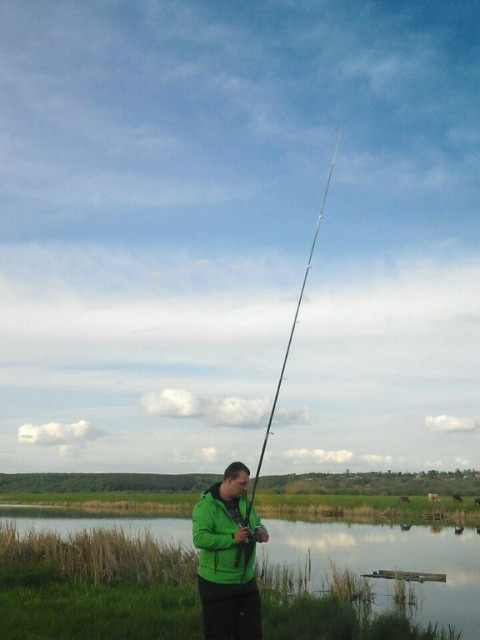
[(241, 535)]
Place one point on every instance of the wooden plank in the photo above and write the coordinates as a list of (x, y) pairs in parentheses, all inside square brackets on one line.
[(417, 576)]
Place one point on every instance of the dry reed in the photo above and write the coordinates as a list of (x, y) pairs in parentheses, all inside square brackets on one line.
[(349, 586), (100, 555), (403, 596), (106, 556)]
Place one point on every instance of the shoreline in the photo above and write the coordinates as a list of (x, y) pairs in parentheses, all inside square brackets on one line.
[(311, 507)]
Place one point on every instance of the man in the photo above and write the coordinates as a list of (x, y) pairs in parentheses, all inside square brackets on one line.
[(228, 591)]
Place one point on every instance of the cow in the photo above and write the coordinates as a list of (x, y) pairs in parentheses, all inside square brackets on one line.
[(433, 497), (404, 499), (457, 497), (458, 531), (477, 502)]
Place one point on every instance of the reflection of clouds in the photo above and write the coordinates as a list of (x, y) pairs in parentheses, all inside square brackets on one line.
[(462, 577), (327, 541), (377, 538)]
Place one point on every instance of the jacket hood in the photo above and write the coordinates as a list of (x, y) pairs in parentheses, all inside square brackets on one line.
[(214, 490), (213, 493)]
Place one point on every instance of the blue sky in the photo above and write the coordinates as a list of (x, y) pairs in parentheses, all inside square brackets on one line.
[(163, 165)]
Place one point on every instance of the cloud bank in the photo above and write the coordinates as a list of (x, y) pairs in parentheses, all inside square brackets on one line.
[(451, 424), (229, 412), (318, 455)]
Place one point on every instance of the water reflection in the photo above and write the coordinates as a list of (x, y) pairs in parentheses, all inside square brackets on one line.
[(329, 541), (360, 548), (365, 548)]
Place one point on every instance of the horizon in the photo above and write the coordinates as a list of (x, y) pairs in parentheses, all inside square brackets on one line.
[(200, 473)]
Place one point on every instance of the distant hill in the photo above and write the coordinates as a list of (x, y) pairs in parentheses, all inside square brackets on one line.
[(98, 482), (465, 482)]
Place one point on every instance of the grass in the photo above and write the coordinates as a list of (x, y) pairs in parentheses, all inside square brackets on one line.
[(285, 506), (367, 508), (128, 501), (350, 587), (102, 584), (100, 556), (67, 611)]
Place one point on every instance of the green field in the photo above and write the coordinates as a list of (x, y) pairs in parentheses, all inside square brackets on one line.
[(303, 506), (366, 508), (126, 498)]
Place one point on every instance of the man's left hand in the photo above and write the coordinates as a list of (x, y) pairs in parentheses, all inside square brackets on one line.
[(262, 535)]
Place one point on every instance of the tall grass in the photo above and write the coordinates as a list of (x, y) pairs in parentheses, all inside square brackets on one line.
[(100, 556), (284, 580), (348, 586), (404, 594)]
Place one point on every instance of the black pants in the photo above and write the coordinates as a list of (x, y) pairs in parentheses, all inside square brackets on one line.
[(230, 611)]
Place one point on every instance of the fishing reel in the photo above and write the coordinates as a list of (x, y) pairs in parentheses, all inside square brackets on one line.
[(254, 534), (253, 537)]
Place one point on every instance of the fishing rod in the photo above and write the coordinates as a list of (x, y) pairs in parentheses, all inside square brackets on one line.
[(292, 331)]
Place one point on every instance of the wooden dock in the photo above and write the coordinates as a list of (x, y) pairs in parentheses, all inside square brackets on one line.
[(409, 576)]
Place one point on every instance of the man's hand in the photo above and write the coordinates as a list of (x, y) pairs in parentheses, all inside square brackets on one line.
[(262, 535), (241, 535)]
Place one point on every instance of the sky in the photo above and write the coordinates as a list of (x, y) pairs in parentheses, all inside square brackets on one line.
[(163, 166)]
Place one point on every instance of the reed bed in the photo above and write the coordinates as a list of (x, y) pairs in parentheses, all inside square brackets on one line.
[(348, 586), (107, 556), (285, 581), (100, 556), (132, 506)]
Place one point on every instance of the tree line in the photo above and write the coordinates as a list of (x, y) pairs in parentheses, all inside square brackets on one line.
[(466, 482)]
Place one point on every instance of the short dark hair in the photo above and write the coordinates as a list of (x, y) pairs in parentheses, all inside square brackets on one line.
[(234, 469)]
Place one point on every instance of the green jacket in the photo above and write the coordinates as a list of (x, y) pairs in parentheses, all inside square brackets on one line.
[(212, 534)]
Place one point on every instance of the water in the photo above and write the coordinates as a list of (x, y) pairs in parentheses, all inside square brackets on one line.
[(361, 548)]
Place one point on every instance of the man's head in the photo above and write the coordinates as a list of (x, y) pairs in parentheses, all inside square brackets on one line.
[(235, 480), (234, 469)]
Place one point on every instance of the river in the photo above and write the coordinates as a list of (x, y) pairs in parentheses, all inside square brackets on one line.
[(361, 548)]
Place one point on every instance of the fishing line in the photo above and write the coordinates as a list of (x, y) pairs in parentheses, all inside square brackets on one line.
[(292, 331)]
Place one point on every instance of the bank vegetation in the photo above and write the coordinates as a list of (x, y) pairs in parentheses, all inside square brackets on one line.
[(100, 584)]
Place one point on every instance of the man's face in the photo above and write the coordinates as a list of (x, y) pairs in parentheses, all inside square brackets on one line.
[(238, 486)]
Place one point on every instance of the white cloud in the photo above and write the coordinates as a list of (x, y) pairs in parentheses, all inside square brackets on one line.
[(177, 403), (433, 464), (232, 412), (451, 424), (57, 434), (318, 455), (209, 453), (237, 412)]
